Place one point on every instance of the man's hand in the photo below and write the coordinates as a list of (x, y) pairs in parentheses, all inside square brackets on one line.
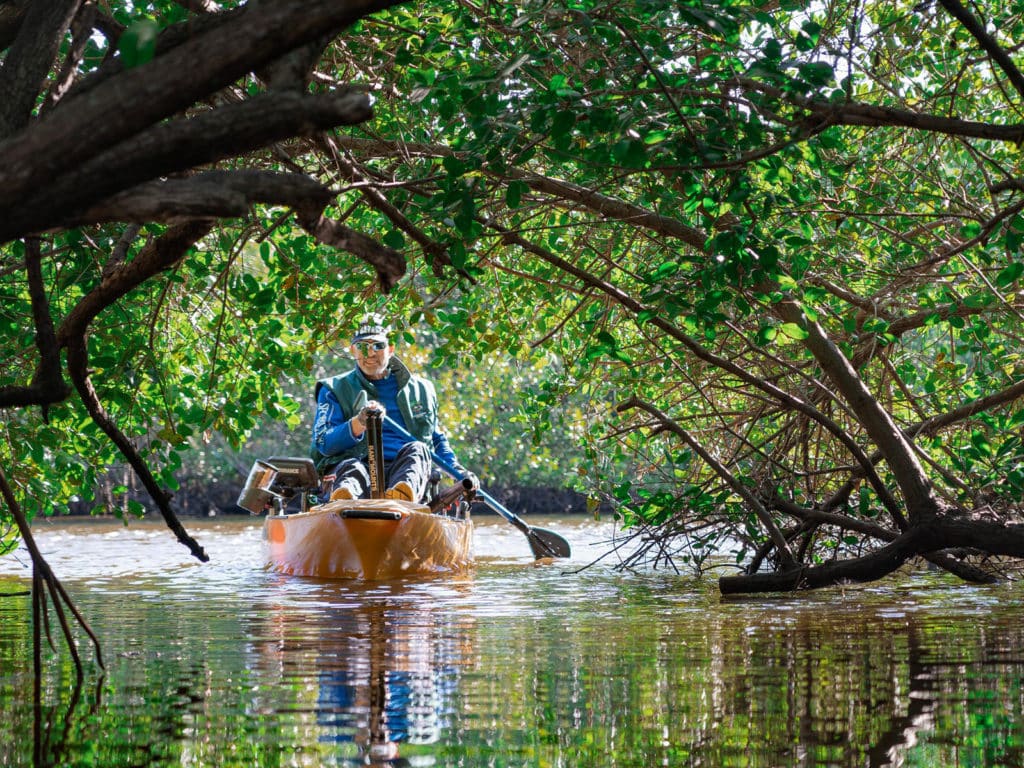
[(371, 407), (359, 421)]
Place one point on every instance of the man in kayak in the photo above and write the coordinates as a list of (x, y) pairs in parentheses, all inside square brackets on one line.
[(379, 382)]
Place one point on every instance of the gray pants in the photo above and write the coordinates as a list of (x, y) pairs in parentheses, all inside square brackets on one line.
[(411, 465)]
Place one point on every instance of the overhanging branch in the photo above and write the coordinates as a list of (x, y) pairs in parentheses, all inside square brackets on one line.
[(80, 128), (781, 545), (178, 146), (48, 384), (72, 335)]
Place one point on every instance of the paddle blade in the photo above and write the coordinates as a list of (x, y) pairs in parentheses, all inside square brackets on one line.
[(545, 543)]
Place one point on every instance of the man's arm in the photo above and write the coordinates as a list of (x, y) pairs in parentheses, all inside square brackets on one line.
[(333, 433), (444, 451)]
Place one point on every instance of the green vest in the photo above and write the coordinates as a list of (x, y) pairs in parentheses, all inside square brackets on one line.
[(417, 402)]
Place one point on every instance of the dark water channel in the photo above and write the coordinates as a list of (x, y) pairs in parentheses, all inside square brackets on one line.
[(225, 664)]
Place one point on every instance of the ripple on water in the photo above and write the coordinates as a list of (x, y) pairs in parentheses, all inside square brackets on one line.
[(515, 663)]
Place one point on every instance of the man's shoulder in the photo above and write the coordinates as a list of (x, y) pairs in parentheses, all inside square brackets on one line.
[(422, 384), (420, 378), (333, 382)]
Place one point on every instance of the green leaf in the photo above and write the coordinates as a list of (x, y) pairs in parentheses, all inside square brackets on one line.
[(980, 441), (1015, 234), (514, 193), (794, 331), (563, 123), (978, 300), (875, 325), (666, 269), (970, 230), (1009, 274), (457, 254), (137, 43), (630, 153), (394, 238), (817, 73), (808, 37)]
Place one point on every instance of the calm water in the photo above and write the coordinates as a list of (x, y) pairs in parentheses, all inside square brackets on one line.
[(224, 664)]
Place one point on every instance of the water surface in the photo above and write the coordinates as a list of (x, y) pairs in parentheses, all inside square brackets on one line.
[(513, 664)]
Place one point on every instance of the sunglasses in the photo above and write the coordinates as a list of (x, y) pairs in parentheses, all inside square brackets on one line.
[(365, 347)]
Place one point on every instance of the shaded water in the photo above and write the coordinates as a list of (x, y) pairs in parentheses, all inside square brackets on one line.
[(225, 664)]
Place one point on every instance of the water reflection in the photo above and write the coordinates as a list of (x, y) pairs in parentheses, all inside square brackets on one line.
[(53, 723), (380, 667), (516, 665)]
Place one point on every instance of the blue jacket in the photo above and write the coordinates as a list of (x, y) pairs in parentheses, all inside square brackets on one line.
[(337, 397)]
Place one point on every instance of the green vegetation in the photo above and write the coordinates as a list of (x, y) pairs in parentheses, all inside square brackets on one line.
[(784, 239)]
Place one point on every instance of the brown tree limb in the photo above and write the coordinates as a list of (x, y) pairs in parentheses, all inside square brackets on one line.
[(942, 532), (48, 385), (79, 128), (71, 335), (614, 208), (437, 255), (179, 145), (987, 43), (81, 33), (597, 202), (816, 517), (388, 263), (217, 194), (78, 365), (873, 116), (292, 71), (934, 425), (887, 436), (28, 60), (979, 405), (213, 194)]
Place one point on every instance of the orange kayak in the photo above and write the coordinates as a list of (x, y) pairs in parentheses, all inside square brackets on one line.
[(371, 539)]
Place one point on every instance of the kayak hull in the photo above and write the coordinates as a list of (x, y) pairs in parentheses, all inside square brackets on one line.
[(372, 539)]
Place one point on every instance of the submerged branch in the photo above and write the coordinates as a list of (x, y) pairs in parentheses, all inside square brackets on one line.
[(43, 577), (943, 532)]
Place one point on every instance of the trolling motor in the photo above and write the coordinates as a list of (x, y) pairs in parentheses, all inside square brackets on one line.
[(273, 483)]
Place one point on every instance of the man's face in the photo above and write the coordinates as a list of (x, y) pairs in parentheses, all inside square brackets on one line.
[(373, 362)]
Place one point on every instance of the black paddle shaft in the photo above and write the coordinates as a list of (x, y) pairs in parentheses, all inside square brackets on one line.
[(375, 455)]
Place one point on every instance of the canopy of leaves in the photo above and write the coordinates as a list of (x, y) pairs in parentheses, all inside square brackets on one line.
[(784, 237)]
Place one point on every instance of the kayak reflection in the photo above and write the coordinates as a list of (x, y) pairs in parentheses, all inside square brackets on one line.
[(389, 678), (388, 670)]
